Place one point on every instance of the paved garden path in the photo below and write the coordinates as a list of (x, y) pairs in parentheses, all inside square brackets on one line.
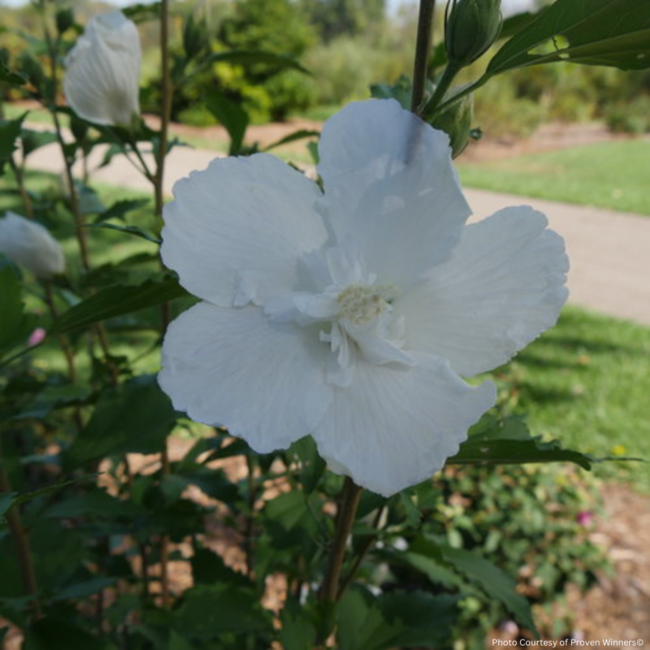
[(609, 251)]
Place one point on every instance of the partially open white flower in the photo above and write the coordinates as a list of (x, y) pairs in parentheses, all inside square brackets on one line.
[(102, 78), (351, 314), (29, 244)]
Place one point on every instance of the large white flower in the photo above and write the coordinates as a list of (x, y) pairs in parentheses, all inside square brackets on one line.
[(102, 78), (350, 314), (29, 244)]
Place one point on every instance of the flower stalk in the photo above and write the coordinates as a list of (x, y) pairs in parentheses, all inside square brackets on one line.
[(350, 497), (21, 540), (158, 183), (422, 52)]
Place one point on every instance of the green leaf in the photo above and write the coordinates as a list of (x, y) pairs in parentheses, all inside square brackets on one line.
[(493, 581), (592, 32), (84, 589), (11, 307), (231, 116), (208, 568), (118, 301), (9, 500), (97, 504), (55, 634), (120, 209), (133, 417), (9, 133), (397, 619), (244, 57), (138, 13), (509, 442), (298, 631), (312, 465), (209, 611), (130, 230), (33, 140), (293, 137), (53, 397), (12, 78)]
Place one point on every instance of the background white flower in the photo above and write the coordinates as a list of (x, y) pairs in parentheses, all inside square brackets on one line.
[(102, 78), (29, 244), (351, 314)]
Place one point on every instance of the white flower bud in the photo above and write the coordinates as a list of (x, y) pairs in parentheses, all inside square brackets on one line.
[(29, 244), (102, 80)]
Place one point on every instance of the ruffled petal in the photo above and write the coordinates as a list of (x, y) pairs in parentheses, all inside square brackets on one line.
[(102, 77), (264, 381), (237, 230), (503, 287), (390, 188), (394, 427)]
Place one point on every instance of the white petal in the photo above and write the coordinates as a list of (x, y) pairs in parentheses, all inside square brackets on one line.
[(262, 380), (29, 244), (390, 187), (502, 288), (102, 78), (239, 228), (394, 427)]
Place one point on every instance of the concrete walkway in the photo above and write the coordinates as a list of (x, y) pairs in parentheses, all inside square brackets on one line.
[(609, 251)]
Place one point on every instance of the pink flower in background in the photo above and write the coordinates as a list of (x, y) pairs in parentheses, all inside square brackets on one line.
[(584, 518), (36, 337)]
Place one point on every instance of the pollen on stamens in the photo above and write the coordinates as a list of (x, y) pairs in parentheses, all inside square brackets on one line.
[(360, 304)]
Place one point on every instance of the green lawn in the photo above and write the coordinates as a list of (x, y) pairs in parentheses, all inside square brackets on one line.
[(611, 175), (586, 382)]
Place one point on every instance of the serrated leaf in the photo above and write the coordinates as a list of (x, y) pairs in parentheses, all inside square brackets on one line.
[(11, 308), (133, 417), (592, 32), (12, 78), (54, 634), (118, 301), (397, 619), (206, 612), (509, 442), (9, 133), (120, 209), (495, 582), (231, 116), (293, 137), (245, 57), (130, 230), (13, 499)]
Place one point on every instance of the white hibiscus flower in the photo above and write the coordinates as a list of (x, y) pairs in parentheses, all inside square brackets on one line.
[(350, 314), (29, 244), (102, 78)]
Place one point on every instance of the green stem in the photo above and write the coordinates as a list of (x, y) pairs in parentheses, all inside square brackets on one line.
[(23, 549), (347, 581), (350, 497), (20, 182), (422, 52), (441, 90), (166, 106), (467, 90)]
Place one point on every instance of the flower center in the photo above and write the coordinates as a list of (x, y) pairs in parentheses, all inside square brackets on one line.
[(362, 303)]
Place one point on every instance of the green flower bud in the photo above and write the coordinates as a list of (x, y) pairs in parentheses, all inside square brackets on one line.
[(64, 20), (456, 122), (471, 27)]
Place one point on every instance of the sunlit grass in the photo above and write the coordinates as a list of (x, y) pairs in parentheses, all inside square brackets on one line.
[(611, 175), (586, 382)]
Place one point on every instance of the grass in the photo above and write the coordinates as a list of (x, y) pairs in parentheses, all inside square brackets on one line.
[(586, 382), (611, 175)]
